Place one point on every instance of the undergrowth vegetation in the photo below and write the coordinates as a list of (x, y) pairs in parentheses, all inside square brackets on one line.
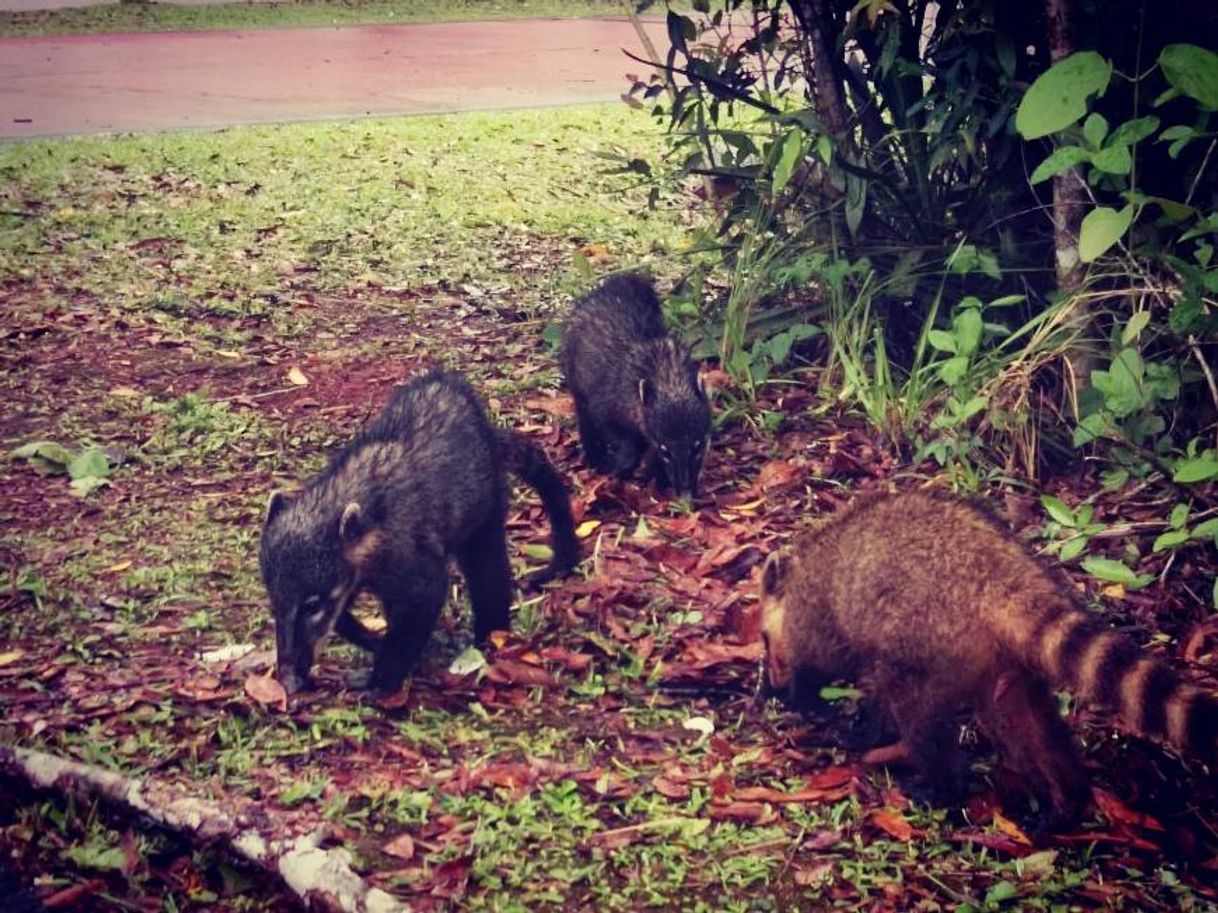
[(880, 181)]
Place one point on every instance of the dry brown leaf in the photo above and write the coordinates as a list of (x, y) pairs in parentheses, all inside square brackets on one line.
[(400, 847), (267, 691), (1011, 829), (893, 824), (297, 377)]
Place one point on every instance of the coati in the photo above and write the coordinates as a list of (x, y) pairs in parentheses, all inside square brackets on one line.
[(637, 391), (15, 897), (422, 481), (935, 608)]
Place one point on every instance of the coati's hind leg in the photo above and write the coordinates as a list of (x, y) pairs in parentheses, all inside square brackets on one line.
[(483, 560), (1036, 742), (412, 599), (926, 719)]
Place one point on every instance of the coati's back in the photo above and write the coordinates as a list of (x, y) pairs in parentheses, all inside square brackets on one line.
[(911, 579), (609, 326)]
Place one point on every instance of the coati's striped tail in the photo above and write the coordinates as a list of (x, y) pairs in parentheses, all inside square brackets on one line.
[(528, 461), (1101, 666)]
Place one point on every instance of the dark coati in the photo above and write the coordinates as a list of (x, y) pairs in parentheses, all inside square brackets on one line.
[(637, 391), (422, 481), (935, 608)]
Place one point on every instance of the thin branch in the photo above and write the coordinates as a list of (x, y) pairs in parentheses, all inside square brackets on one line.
[(1209, 377), (322, 878)]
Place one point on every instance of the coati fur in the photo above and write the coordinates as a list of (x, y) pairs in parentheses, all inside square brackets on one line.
[(423, 481), (935, 608), (15, 897), (637, 392)]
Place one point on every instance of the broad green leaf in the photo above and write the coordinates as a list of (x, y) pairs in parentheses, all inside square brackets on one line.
[(1113, 160), (91, 463), (95, 856), (1205, 530), (1058, 97), (1133, 131), (1198, 469), (834, 693), (942, 340), (538, 551), (1170, 539), (1179, 516), (953, 370), (1073, 548), (1095, 128), (1003, 890), (1193, 71), (1057, 509), (86, 485), (1102, 228), (1133, 329), (471, 659), (1109, 570), (790, 152), (44, 450), (966, 327), (1060, 160)]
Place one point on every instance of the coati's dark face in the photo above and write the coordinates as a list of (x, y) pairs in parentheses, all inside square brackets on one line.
[(309, 580), (677, 426), (776, 663)]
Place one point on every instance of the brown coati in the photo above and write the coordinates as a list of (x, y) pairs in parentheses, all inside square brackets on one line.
[(422, 481), (637, 391), (935, 609)]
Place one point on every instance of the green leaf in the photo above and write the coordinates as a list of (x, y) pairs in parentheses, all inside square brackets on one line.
[(96, 856), (1113, 160), (1003, 890), (1205, 530), (1109, 570), (1179, 516), (942, 340), (790, 152), (1060, 160), (1102, 228), (86, 485), (1133, 329), (953, 370), (1198, 469), (834, 693), (552, 334), (1170, 539), (538, 551), (91, 463), (966, 327), (1057, 509), (1058, 97), (44, 450), (1193, 71), (1095, 128), (1074, 547), (1133, 131)]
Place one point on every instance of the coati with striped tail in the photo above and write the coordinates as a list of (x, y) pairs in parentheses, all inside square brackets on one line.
[(935, 608), (637, 391), (422, 481)]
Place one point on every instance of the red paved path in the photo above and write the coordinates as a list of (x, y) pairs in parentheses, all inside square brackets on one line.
[(91, 83)]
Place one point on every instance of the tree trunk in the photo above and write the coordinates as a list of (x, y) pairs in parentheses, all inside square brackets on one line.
[(1069, 206), (819, 25)]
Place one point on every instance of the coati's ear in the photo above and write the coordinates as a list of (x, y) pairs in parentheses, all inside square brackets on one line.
[(774, 574), (350, 525), (647, 392), (278, 501)]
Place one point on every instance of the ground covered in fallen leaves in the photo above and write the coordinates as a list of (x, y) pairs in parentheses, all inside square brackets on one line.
[(194, 320)]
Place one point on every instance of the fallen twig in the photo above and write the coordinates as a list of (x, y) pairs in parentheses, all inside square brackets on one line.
[(322, 878)]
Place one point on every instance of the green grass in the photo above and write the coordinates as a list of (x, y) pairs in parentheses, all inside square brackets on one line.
[(156, 17), (179, 226)]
